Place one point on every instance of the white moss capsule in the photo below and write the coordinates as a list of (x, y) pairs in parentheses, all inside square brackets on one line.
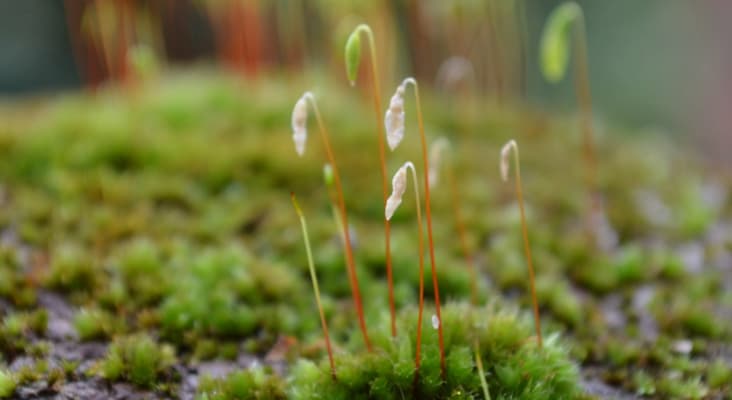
[(299, 125), (398, 186), (435, 322), (505, 155), (394, 118)]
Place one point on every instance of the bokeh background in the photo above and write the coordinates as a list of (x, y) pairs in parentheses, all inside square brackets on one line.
[(657, 66)]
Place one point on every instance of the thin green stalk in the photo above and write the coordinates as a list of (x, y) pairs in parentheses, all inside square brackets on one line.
[(314, 280), (481, 372)]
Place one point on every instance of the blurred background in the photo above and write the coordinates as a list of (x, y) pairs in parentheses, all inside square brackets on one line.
[(659, 66)]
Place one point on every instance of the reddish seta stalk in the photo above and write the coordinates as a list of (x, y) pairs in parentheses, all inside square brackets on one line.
[(351, 264)]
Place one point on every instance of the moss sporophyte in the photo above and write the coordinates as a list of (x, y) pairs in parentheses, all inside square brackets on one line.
[(299, 126), (399, 186), (564, 30), (314, 280), (353, 60), (395, 131)]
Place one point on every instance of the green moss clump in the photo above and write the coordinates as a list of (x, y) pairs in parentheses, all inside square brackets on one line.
[(672, 386), (137, 359), (72, 269), (7, 384), (15, 330), (94, 323), (142, 271), (224, 293), (558, 296), (516, 368), (206, 299), (257, 383), (720, 374), (13, 284)]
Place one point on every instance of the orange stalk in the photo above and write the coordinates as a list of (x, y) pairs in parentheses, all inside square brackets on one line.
[(428, 213), (363, 28), (351, 264)]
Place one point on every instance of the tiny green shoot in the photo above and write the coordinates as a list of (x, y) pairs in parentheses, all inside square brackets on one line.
[(481, 372), (8, 384), (314, 280)]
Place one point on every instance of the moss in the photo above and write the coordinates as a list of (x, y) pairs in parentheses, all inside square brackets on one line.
[(644, 384), (560, 299), (629, 265), (694, 215), (158, 239), (72, 269), (673, 387), (671, 266), (17, 328), (719, 375), (517, 369), (257, 383), (7, 384), (142, 271), (13, 284), (94, 323), (137, 359)]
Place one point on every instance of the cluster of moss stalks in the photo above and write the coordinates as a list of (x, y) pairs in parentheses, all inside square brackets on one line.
[(515, 367)]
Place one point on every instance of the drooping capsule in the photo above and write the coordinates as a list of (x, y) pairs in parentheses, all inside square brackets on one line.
[(299, 125)]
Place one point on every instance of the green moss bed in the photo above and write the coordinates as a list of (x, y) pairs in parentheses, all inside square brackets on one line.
[(149, 249)]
